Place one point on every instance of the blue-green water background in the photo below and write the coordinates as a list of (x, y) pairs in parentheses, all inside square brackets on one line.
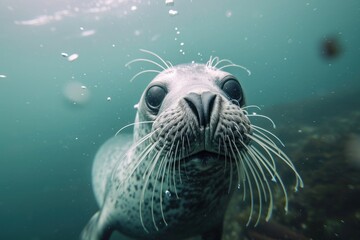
[(47, 143)]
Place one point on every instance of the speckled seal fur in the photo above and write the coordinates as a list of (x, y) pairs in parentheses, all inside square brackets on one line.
[(193, 146)]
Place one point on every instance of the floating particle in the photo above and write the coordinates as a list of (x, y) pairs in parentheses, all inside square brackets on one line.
[(182, 44), (88, 33), (178, 32), (169, 2), (75, 93), (73, 57), (228, 13), (108, 99), (2, 76), (64, 54), (173, 12), (133, 8), (167, 193), (82, 28), (83, 87), (137, 32)]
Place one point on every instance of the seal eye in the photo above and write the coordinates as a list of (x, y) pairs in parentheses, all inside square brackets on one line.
[(233, 90), (154, 97)]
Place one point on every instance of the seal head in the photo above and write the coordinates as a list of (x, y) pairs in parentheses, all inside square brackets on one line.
[(197, 106)]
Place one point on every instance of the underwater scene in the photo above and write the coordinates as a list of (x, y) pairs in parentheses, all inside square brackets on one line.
[(268, 142)]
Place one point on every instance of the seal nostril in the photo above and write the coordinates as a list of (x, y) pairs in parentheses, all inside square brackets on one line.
[(201, 106), (208, 99), (195, 104)]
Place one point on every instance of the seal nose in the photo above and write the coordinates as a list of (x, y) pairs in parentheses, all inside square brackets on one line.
[(201, 105)]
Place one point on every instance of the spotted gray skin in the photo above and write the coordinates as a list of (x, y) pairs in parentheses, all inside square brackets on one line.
[(174, 177)]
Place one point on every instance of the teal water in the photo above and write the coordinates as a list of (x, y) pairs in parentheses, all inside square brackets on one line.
[(47, 142)]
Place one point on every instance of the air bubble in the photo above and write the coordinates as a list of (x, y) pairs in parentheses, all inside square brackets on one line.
[(73, 57), (167, 193), (169, 2), (173, 12), (228, 13)]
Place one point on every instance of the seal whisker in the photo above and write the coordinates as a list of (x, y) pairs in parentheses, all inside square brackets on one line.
[(231, 166), (182, 156), (236, 159), (270, 155), (168, 174), (154, 161), (275, 150), (267, 152), (241, 173), (155, 146), (235, 65), (141, 201), (174, 169), (211, 61), (143, 72), (140, 159), (153, 194), (256, 158), (250, 191), (153, 157), (250, 106), (226, 61), (160, 192), (157, 56), (207, 64), (253, 159), (255, 176), (132, 124), (254, 114), (145, 60), (169, 63), (187, 153), (225, 153), (261, 131), (276, 174)]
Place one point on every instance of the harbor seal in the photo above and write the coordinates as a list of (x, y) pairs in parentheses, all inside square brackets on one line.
[(193, 145)]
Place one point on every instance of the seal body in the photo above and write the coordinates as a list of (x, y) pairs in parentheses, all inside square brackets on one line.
[(191, 148)]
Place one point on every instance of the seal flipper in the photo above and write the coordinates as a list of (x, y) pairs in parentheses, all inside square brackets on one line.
[(96, 229)]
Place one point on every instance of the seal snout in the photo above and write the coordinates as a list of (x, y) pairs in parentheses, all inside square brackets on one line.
[(201, 105)]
